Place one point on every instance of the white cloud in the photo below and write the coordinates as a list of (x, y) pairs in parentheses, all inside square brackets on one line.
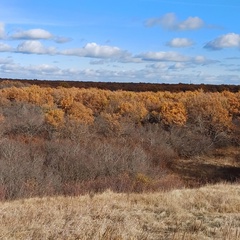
[(2, 30), (62, 39), (180, 42), (5, 47), (191, 23), (169, 21), (166, 21), (34, 47), (225, 41), (94, 50), (32, 34), (163, 56)]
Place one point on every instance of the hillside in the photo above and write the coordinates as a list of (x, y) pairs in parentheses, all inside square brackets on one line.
[(210, 212), (69, 141), (87, 163)]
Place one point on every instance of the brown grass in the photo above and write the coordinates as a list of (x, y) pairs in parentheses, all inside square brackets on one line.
[(210, 212)]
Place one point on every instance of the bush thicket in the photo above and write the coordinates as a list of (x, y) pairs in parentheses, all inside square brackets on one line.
[(71, 141)]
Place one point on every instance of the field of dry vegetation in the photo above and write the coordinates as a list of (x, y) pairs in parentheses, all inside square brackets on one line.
[(118, 164), (210, 212)]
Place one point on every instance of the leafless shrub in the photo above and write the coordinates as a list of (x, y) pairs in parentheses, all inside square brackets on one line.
[(222, 139), (16, 167), (188, 141), (23, 118), (78, 161), (22, 172), (75, 131), (157, 143)]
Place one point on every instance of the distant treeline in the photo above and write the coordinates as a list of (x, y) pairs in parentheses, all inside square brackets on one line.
[(135, 87)]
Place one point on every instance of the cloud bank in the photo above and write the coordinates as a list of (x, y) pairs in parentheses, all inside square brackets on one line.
[(93, 50)]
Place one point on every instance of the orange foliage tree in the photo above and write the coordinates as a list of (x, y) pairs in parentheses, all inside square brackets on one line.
[(208, 111), (213, 112), (55, 117), (80, 113)]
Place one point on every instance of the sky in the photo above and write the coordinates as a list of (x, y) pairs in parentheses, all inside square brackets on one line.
[(152, 41)]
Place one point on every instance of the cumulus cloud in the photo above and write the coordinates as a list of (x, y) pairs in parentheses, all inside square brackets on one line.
[(33, 34), (180, 42), (169, 21), (225, 41), (94, 50), (34, 47), (2, 30), (191, 23), (163, 56)]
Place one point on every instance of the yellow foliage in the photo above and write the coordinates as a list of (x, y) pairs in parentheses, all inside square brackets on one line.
[(39, 96), (95, 99), (214, 110), (233, 103), (208, 110), (81, 114), (66, 102), (173, 113), (136, 111), (17, 94), (55, 117)]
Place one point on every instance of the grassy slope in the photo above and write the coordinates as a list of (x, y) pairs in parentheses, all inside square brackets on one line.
[(210, 212)]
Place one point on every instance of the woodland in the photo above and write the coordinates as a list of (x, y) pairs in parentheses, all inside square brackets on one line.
[(57, 138)]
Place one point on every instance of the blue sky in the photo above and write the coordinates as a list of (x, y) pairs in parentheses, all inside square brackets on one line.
[(157, 41)]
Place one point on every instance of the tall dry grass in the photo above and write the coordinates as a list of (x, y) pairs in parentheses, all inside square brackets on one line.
[(210, 212)]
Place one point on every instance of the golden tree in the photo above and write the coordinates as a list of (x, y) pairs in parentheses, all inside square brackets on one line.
[(208, 111), (55, 117), (173, 113), (80, 113)]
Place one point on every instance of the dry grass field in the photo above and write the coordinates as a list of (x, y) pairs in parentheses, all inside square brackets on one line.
[(209, 212)]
